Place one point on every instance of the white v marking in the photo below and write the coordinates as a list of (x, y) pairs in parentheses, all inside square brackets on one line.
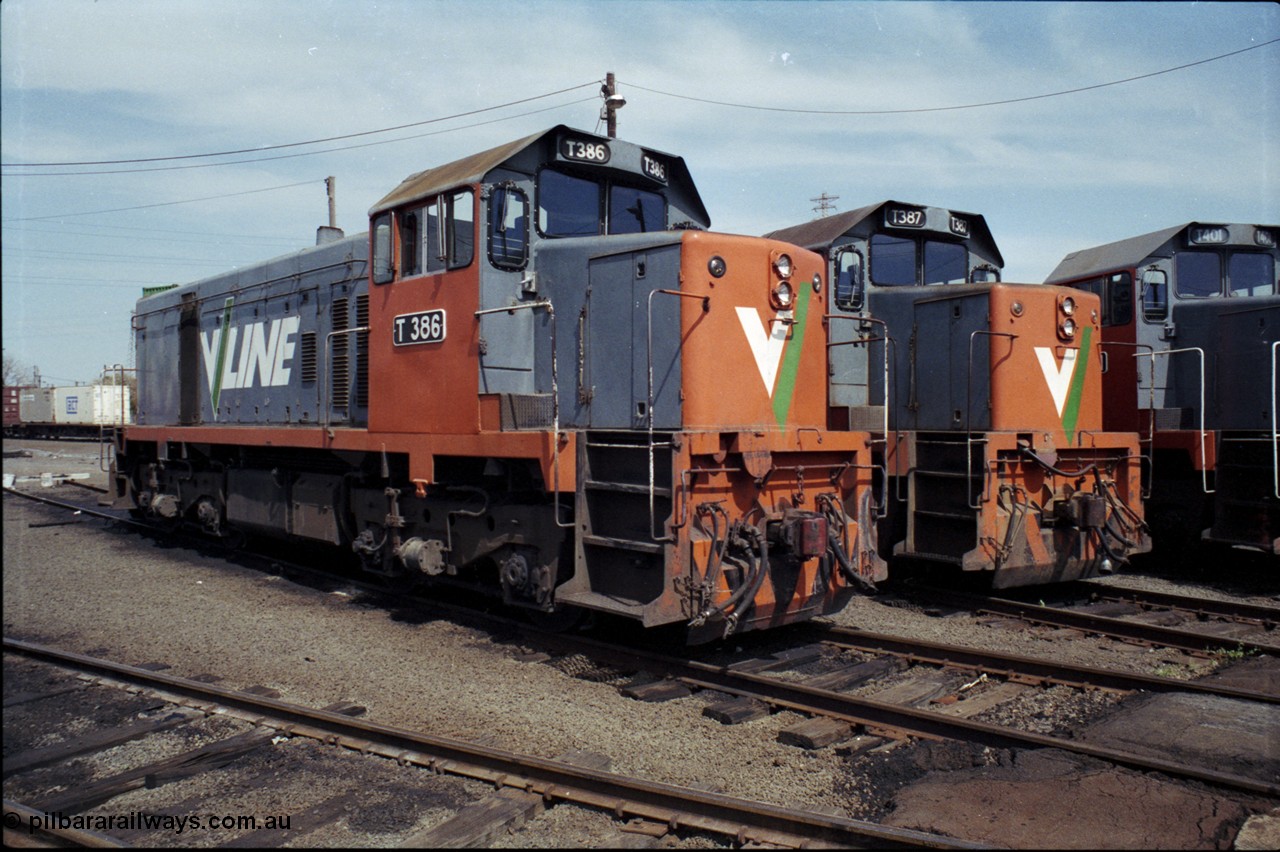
[(766, 345), (1057, 377)]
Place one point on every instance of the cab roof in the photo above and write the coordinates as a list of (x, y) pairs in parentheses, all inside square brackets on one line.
[(474, 168), (820, 234)]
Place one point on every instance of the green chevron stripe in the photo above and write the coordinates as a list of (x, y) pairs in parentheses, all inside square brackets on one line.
[(1071, 411), (222, 354), (786, 388)]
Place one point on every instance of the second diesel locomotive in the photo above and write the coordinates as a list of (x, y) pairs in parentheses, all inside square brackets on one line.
[(1191, 330), (537, 375), (988, 396)]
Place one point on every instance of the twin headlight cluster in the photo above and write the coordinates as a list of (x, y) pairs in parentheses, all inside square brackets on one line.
[(1066, 318), (1067, 325), (782, 294)]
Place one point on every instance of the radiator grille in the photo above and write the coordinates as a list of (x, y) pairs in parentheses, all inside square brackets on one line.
[(362, 352), (340, 372), (308, 356)]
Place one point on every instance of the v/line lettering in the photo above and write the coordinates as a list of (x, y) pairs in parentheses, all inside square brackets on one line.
[(263, 356)]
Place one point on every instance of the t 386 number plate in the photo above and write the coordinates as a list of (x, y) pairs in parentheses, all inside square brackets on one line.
[(424, 327)]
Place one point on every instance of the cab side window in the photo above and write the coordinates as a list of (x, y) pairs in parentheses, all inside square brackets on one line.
[(410, 245), (1117, 307), (383, 263), (449, 238)]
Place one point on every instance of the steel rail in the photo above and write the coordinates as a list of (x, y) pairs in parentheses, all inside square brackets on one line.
[(1022, 669), (1169, 637), (1268, 616), (678, 807), (882, 716)]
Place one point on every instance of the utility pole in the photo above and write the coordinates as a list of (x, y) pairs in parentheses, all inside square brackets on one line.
[(824, 205), (612, 103)]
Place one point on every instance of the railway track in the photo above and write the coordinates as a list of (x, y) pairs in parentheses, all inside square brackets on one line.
[(751, 681), (822, 699), (1030, 670), (1120, 619), (271, 720)]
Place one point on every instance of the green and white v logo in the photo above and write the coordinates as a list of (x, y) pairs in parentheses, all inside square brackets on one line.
[(769, 346), (1066, 381)]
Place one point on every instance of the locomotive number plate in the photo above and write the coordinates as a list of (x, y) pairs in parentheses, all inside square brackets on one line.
[(424, 327), (584, 150), (904, 217)]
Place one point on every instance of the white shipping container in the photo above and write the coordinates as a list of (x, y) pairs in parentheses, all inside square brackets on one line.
[(92, 405)]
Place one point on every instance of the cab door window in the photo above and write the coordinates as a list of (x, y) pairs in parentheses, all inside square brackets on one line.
[(1155, 295), (849, 281), (508, 228)]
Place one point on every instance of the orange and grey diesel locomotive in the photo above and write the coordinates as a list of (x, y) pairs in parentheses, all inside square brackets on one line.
[(1191, 328), (988, 396), (537, 375)]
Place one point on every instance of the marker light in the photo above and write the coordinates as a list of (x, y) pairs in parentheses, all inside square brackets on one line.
[(716, 266)]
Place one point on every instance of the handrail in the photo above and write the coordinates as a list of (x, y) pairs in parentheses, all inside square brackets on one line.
[(546, 305), (328, 357), (1275, 433), (968, 414), (706, 306), (105, 457), (1204, 460), (883, 508), (1151, 413)]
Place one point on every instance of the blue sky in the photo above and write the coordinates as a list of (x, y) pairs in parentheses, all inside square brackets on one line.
[(112, 80)]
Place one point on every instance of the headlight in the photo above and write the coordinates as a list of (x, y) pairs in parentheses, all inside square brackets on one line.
[(783, 266), (1068, 327), (782, 296), (1068, 306)]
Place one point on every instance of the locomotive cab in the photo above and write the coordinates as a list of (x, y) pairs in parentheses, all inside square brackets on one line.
[(988, 396), (1190, 323)]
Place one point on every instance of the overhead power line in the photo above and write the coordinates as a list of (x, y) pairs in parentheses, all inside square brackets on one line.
[(301, 154), (168, 203), (260, 148), (958, 106)]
